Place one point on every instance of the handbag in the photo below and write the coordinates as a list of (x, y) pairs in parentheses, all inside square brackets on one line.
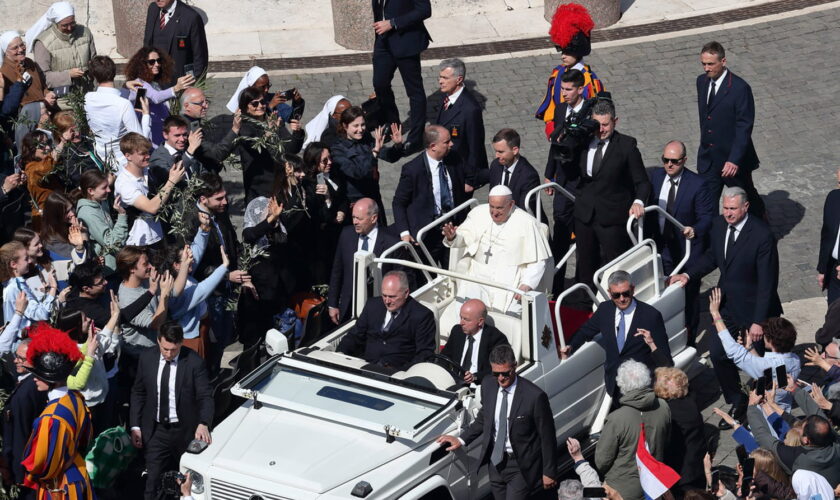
[(109, 456)]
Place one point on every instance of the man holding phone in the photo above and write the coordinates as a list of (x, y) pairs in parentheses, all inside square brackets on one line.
[(180, 145), (213, 150), (177, 28)]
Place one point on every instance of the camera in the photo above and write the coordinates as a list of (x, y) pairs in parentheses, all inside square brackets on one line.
[(170, 484), (576, 131)]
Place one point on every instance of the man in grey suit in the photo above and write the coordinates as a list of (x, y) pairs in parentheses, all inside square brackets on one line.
[(180, 145)]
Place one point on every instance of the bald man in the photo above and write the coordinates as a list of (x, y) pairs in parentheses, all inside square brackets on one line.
[(213, 149), (428, 187), (471, 340)]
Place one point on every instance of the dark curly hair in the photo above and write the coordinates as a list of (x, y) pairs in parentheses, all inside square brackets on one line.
[(781, 333), (137, 67)]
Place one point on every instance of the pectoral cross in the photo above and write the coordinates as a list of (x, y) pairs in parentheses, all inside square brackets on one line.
[(487, 255)]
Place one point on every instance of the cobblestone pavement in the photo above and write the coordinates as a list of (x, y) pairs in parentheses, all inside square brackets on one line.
[(788, 62)]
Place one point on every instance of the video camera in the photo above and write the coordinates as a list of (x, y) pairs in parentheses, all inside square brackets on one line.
[(576, 131)]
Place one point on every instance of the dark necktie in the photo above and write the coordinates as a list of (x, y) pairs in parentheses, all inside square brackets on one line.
[(365, 239), (467, 363), (445, 102), (163, 415), (711, 95), (506, 180), (501, 433), (596, 160), (445, 192), (391, 321), (730, 242), (668, 229), (162, 20)]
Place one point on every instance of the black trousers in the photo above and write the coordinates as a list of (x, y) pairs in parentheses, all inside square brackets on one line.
[(384, 66), (561, 240), (743, 179), (163, 452), (597, 245), (508, 483), (832, 281)]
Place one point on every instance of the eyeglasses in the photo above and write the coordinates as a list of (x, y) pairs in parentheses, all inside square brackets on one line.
[(666, 161), (45, 146), (203, 103), (100, 282), (503, 374), (256, 103), (626, 294), (152, 62)]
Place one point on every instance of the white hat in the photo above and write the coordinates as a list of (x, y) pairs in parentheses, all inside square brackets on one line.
[(56, 12), (250, 77), (6, 39), (501, 190), (317, 125)]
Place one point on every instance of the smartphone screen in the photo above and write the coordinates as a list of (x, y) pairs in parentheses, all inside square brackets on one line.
[(141, 92), (741, 452), (781, 375), (594, 493), (768, 380), (749, 465), (189, 69), (759, 386), (195, 125)]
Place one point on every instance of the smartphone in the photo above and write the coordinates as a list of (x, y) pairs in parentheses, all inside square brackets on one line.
[(768, 379), (594, 493), (781, 375), (195, 125), (715, 481), (741, 452), (189, 69), (322, 179), (26, 77), (296, 117), (61, 91), (749, 465), (177, 157), (289, 94), (806, 386), (759, 386), (141, 93)]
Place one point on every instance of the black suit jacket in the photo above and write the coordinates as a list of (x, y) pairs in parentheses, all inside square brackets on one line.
[(603, 322), (183, 38), (749, 275), (193, 395), (693, 206), (409, 36), (523, 179), (410, 340), (490, 338), (465, 124), (214, 148), (828, 235), (24, 405), (687, 445), (605, 198), (414, 200), (726, 126), (341, 279), (530, 429)]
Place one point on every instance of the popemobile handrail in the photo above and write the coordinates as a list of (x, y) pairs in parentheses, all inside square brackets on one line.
[(669, 218), (559, 301), (396, 246), (438, 222), (541, 187)]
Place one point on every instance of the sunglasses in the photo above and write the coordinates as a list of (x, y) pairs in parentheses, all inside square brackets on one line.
[(44, 146), (503, 374), (626, 294), (256, 103), (152, 62), (671, 160)]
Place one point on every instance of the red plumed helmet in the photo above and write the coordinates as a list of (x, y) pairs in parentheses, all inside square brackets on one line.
[(571, 28), (52, 353)]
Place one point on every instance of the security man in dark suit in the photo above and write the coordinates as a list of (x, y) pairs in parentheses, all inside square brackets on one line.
[(629, 328), (171, 404), (743, 248), (364, 234), (177, 28), (512, 169), (520, 447), (460, 113), (394, 331), (24, 405), (612, 184), (400, 38), (564, 171), (430, 185), (470, 342), (828, 265), (727, 112), (684, 195)]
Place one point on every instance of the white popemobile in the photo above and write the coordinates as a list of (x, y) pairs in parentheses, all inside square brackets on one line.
[(318, 425)]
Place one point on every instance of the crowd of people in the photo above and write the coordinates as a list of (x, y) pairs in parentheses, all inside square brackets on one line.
[(124, 279)]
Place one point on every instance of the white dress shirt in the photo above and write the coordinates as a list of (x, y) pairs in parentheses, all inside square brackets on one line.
[(663, 196), (570, 110), (169, 12), (628, 319), (145, 230), (474, 356), (173, 370), (371, 240), (509, 170), (738, 227), (511, 390), (455, 95), (593, 148), (58, 392), (718, 83), (110, 117), (836, 251)]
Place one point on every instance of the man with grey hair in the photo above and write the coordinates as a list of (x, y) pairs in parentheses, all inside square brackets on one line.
[(743, 248), (615, 454), (213, 150), (521, 449), (394, 331), (461, 114), (570, 489), (629, 328), (613, 184)]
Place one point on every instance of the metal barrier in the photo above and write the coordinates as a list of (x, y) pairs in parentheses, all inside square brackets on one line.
[(656, 279), (668, 219), (437, 223), (411, 249), (542, 187)]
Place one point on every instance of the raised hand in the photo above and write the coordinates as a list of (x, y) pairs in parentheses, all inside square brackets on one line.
[(118, 207), (176, 173)]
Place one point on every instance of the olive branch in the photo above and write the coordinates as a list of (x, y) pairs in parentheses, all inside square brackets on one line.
[(179, 209), (247, 258)]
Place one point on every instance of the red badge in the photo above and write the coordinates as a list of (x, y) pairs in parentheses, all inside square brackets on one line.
[(182, 43)]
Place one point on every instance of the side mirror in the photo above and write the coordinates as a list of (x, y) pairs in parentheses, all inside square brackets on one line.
[(276, 342)]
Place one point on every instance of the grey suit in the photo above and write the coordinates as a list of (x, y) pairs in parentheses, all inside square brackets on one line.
[(161, 163)]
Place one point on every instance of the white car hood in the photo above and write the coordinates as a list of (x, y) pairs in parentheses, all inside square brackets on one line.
[(303, 452)]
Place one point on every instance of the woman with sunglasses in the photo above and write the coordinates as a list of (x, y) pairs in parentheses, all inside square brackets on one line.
[(39, 162), (149, 68), (331, 195), (259, 164)]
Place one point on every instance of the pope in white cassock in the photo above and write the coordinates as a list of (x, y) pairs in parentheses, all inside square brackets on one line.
[(503, 244)]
